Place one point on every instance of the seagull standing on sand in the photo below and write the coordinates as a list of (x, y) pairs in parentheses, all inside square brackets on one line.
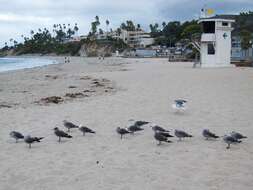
[(141, 123), (230, 140), (161, 138), (84, 130), (134, 128), (159, 129), (207, 134), (16, 135), (237, 135), (122, 131), (61, 134), (69, 125), (179, 104), (29, 140), (181, 134)]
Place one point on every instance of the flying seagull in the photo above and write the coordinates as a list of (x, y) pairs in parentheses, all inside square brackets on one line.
[(181, 134), (230, 140), (69, 125), (161, 138), (134, 128), (16, 135), (207, 134), (237, 135), (179, 104), (122, 131), (158, 128), (84, 130), (61, 134), (29, 140)]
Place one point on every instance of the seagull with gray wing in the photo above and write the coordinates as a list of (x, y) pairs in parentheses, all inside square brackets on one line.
[(161, 138), (207, 134), (122, 131), (230, 140), (134, 128), (69, 125), (179, 104), (85, 129), (29, 140), (16, 135), (61, 134), (237, 135), (181, 134), (158, 128)]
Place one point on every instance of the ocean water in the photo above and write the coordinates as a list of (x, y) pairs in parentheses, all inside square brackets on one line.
[(9, 64)]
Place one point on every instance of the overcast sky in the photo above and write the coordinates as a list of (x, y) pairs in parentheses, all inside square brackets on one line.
[(20, 16)]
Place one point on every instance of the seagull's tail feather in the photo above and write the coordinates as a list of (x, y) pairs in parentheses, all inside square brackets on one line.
[(38, 138), (68, 136)]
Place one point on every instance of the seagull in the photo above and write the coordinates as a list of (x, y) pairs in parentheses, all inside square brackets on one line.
[(237, 135), (181, 134), (16, 135), (230, 140), (158, 128), (166, 134), (69, 125), (29, 140), (179, 104), (122, 131), (141, 123), (206, 133), (84, 130), (134, 128), (161, 138), (61, 134)]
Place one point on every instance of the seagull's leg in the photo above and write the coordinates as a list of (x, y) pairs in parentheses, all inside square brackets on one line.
[(121, 136), (228, 146), (29, 145), (16, 140), (83, 133), (59, 139)]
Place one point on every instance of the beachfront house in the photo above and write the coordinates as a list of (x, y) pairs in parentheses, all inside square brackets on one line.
[(137, 38), (215, 45)]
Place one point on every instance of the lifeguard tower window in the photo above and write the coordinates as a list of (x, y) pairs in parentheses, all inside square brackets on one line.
[(208, 27), (210, 49), (224, 23)]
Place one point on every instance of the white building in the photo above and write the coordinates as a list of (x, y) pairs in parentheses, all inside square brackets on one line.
[(215, 42), (137, 38)]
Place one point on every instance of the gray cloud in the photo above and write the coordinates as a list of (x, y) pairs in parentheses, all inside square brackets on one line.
[(20, 16)]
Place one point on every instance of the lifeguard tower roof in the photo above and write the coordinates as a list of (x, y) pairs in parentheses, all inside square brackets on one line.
[(227, 18)]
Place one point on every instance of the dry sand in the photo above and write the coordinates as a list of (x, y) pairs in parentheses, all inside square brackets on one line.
[(143, 89)]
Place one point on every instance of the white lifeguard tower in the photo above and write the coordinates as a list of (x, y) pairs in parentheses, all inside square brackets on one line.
[(215, 44)]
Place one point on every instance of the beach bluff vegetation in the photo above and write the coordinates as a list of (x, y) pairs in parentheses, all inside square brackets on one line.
[(61, 39)]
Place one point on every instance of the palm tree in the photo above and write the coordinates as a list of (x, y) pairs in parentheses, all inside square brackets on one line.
[(138, 27), (164, 24), (107, 24), (76, 28)]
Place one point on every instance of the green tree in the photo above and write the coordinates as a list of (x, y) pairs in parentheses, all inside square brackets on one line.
[(246, 39)]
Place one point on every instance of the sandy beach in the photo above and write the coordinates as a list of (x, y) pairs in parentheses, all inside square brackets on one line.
[(106, 95)]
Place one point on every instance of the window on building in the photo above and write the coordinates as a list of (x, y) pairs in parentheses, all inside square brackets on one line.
[(224, 23), (208, 27), (210, 49)]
